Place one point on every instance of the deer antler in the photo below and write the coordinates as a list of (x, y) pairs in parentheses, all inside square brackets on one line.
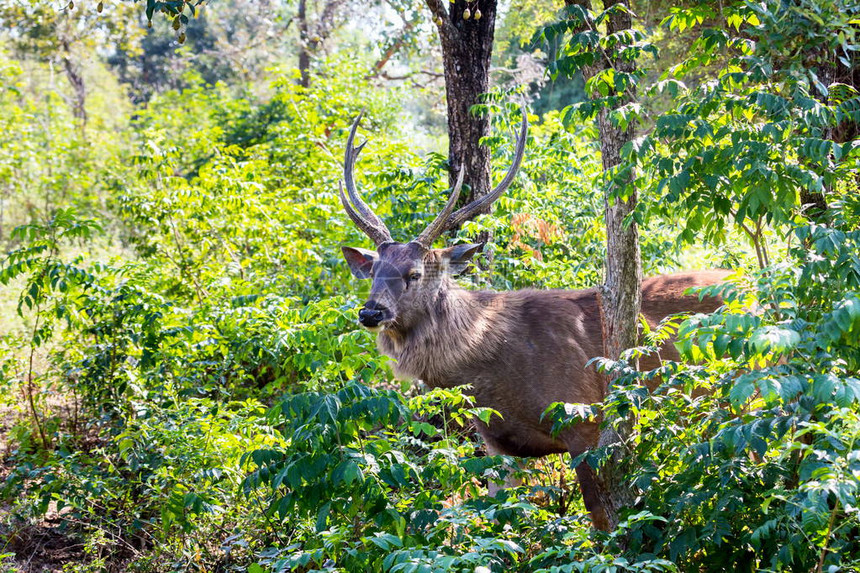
[(365, 219), (437, 227), (445, 220), (478, 205), (371, 225)]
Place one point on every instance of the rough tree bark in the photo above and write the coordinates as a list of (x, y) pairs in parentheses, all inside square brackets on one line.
[(467, 46), (621, 290), (311, 37), (304, 45)]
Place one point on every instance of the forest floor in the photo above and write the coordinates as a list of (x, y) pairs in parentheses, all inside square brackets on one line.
[(38, 548), (31, 546)]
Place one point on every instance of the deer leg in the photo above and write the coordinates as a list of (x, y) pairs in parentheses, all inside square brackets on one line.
[(510, 480), (591, 496), (579, 440)]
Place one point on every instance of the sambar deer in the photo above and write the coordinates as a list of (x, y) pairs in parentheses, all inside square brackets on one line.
[(520, 351)]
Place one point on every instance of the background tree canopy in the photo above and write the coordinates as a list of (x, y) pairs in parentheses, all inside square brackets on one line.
[(183, 385)]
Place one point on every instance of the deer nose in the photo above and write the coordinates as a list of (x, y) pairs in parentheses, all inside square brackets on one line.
[(372, 314)]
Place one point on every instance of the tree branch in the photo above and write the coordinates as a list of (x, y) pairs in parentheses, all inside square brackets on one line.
[(392, 49), (437, 8), (325, 25), (441, 19)]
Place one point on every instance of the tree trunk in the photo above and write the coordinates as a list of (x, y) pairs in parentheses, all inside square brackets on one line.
[(621, 295), (467, 47), (310, 41), (830, 70), (621, 291), (304, 45), (813, 203), (76, 80)]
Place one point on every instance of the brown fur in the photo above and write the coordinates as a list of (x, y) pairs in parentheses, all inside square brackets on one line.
[(520, 350)]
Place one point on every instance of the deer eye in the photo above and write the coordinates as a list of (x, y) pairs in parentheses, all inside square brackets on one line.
[(414, 277)]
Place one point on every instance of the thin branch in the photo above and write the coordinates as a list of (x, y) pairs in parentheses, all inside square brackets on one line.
[(754, 237), (325, 25), (409, 75), (392, 49), (824, 549), (594, 68), (441, 18), (499, 69), (760, 234), (437, 7)]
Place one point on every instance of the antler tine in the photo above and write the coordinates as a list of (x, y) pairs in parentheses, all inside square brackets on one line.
[(476, 206), (437, 227), (365, 219)]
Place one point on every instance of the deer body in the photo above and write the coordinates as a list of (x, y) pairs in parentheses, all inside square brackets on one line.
[(520, 351), (523, 350)]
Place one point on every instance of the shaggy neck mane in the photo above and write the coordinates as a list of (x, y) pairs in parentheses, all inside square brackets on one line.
[(459, 327)]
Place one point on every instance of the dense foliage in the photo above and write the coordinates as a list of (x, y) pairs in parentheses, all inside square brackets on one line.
[(184, 385)]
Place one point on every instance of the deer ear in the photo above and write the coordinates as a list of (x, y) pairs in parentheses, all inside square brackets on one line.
[(458, 257), (360, 261)]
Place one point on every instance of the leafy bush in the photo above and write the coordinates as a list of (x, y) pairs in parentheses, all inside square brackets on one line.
[(760, 471), (225, 413)]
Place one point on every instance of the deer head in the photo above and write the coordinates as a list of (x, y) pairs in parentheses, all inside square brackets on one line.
[(407, 277)]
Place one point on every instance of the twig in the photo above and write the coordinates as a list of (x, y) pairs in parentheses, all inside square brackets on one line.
[(392, 49), (824, 550), (29, 386)]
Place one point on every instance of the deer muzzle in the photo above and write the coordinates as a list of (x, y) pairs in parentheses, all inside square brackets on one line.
[(372, 314)]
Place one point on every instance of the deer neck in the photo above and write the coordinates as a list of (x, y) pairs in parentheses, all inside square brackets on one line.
[(454, 328)]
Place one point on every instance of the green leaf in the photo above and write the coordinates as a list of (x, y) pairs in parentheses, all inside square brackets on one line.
[(345, 473), (773, 339), (742, 389), (322, 516), (721, 344)]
